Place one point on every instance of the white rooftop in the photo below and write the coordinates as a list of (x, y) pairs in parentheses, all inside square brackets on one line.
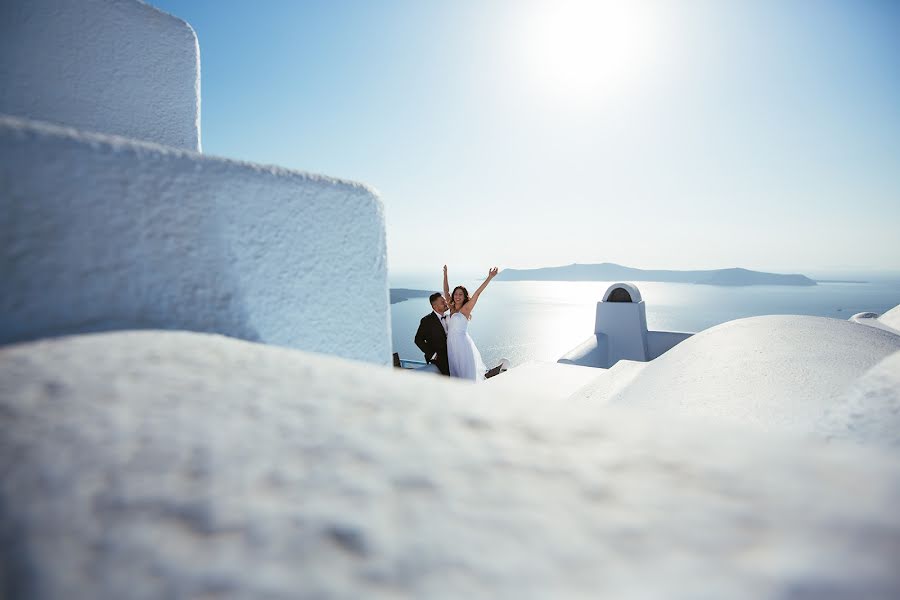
[(173, 464), (778, 372), (153, 464), (891, 318)]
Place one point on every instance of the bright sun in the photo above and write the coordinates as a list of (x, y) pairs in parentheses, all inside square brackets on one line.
[(583, 49)]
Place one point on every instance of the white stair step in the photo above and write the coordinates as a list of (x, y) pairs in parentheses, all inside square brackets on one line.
[(100, 232)]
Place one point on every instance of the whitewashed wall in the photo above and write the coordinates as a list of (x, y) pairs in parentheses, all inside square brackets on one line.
[(101, 233), (112, 66), (660, 342)]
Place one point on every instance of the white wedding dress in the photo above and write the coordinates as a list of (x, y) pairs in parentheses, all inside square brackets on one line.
[(464, 358)]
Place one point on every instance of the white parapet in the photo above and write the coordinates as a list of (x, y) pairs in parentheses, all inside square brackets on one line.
[(111, 66), (101, 233), (592, 352)]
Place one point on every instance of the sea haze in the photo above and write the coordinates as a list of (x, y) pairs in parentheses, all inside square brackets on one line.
[(542, 320)]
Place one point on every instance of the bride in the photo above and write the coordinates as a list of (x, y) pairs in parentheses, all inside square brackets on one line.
[(464, 358)]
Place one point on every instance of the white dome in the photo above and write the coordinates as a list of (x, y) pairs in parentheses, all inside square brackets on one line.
[(870, 412), (777, 371)]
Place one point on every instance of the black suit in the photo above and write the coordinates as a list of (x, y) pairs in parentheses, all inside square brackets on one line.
[(431, 338)]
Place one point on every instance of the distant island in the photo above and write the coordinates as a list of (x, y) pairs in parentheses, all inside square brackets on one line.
[(401, 294), (614, 272)]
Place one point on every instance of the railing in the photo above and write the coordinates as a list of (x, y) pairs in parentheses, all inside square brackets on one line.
[(411, 364), (403, 363)]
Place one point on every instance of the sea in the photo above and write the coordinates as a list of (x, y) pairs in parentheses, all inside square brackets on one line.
[(525, 321)]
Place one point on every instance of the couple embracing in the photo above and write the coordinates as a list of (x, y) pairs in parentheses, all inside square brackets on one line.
[(443, 334)]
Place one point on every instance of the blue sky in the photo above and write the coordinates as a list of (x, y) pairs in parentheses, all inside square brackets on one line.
[(668, 134)]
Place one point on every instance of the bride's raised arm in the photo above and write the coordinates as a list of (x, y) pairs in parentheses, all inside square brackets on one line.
[(447, 297), (467, 309)]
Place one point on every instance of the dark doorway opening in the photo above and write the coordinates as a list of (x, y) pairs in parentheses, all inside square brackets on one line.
[(619, 295)]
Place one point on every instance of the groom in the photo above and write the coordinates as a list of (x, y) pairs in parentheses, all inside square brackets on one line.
[(431, 338)]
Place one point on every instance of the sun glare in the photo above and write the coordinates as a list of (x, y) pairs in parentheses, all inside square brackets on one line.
[(585, 49)]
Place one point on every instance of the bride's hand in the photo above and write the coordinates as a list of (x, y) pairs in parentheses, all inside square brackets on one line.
[(493, 272)]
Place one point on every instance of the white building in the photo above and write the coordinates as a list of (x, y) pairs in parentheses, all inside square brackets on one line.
[(620, 332), (112, 219), (231, 449)]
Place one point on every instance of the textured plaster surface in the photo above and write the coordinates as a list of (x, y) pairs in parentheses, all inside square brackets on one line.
[(592, 352), (173, 464), (603, 388), (891, 318), (551, 382), (870, 319), (778, 372), (112, 66), (660, 342), (625, 327), (870, 412), (100, 233)]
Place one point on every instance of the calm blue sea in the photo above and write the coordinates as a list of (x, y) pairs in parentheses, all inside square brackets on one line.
[(542, 320)]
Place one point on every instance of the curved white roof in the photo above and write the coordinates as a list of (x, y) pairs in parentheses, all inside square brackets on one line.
[(269, 472), (870, 412), (891, 318), (776, 371)]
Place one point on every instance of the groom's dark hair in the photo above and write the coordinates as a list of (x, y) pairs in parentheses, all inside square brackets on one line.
[(434, 297)]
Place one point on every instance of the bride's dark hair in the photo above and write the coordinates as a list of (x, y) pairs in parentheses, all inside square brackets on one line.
[(465, 296)]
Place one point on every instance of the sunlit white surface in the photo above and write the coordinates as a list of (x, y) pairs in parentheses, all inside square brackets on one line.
[(147, 465), (778, 372)]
